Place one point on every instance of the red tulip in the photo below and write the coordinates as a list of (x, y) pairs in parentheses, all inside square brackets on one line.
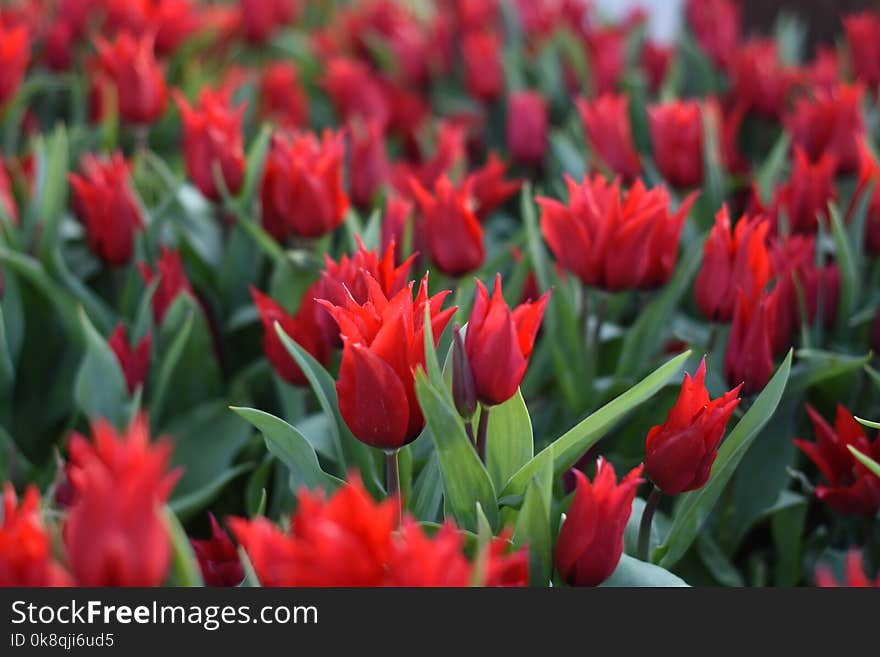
[(830, 123), (106, 205), (302, 190), (748, 359), (759, 80), (212, 139), (282, 97), (15, 55), (368, 165), (716, 25), (854, 576), (383, 343), (455, 237), (863, 40), (172, 281), (607, 127), (733, 261), (304, 328), (140, 83), (134, 362), (590, 542), (174, 21), (613, 240), (355, 91), (655, 62), (488, 188), (806, 193), (25, 544), (115, 533), (824, 71), (449, 153), (483, 70), (607, 49), (218, 557), (354, 275), (677, 140), (527, 127), (851, 487), (499, 342), (398, 214), (261, 18), (680, 452)]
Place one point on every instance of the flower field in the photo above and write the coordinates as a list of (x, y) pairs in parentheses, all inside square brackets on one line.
[(436, 293)]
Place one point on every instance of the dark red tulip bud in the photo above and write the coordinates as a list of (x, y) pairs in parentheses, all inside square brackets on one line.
[(383, 344), (455, 237), (863, 40), (212, 141), (172, 281), (655, 62), (304, 328), (135, 362), (302, 190), (607, 127), (806, 194), (105, 204), (218, 557), (733, 261), (140, 83), (464, 392), (15, 55), (677, 140), (851, 488), (483, 70), (527, 127), (368, 165), (607, 48), (680, 452), (749, 355), (590, 542), (499, 342)]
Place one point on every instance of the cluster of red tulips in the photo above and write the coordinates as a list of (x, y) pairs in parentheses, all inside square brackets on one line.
[(378, 276)]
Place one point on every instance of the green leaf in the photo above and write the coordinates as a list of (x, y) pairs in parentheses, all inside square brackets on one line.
[(7, 369), (52, 188), (865, 460), (771, 168), (850, 281), (256, 162), (184, 565), (250, 575), (631, 572), (509, 442), (532, 528), (100, 389), (465, 480), (694, 507), (185, 506), (291, 448), (167, 366), (574, 443), (324, 387), (428, 491)]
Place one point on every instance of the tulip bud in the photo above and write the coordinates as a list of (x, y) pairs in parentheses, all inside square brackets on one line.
[(464, 392), (218, 557)]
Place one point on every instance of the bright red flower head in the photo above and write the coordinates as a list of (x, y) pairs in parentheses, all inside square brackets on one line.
[(383, 344), (733, 261), (488, 187), (368, 165), (677, 140), (455, 237), (212, 139), (716, 25), (104, 202), (806, 193), (259, 19), (499, 342), (302, 190), (483, 70), (218, 557), (282, 97), (748, 359), (851, 488), (140, 83), (863, 39), (174, 22), (15, 55), (590, 542), (527, 127), (759, 80), (854, 575), (830, 123), (614, 240), (680, 452), (607, 127), (115, 533), (134, 362), (304, 327), (172, 281), (25, 544)]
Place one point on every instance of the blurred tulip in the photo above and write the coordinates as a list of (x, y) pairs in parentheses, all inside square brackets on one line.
[(172, 281), (15, 55), (261, 18), (140, 83), (863, 40), (218, 557), (759, 80), (133, 360), (716, 26), (527, 127), (282, 97), (368, 164), (655, 61), (677, 140), (607, 127), (748, 359), (488, 188), (483, 70)]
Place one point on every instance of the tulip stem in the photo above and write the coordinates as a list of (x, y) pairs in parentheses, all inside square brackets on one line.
[(392, 472), (469, 429), (647, 520), (483, 432)]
